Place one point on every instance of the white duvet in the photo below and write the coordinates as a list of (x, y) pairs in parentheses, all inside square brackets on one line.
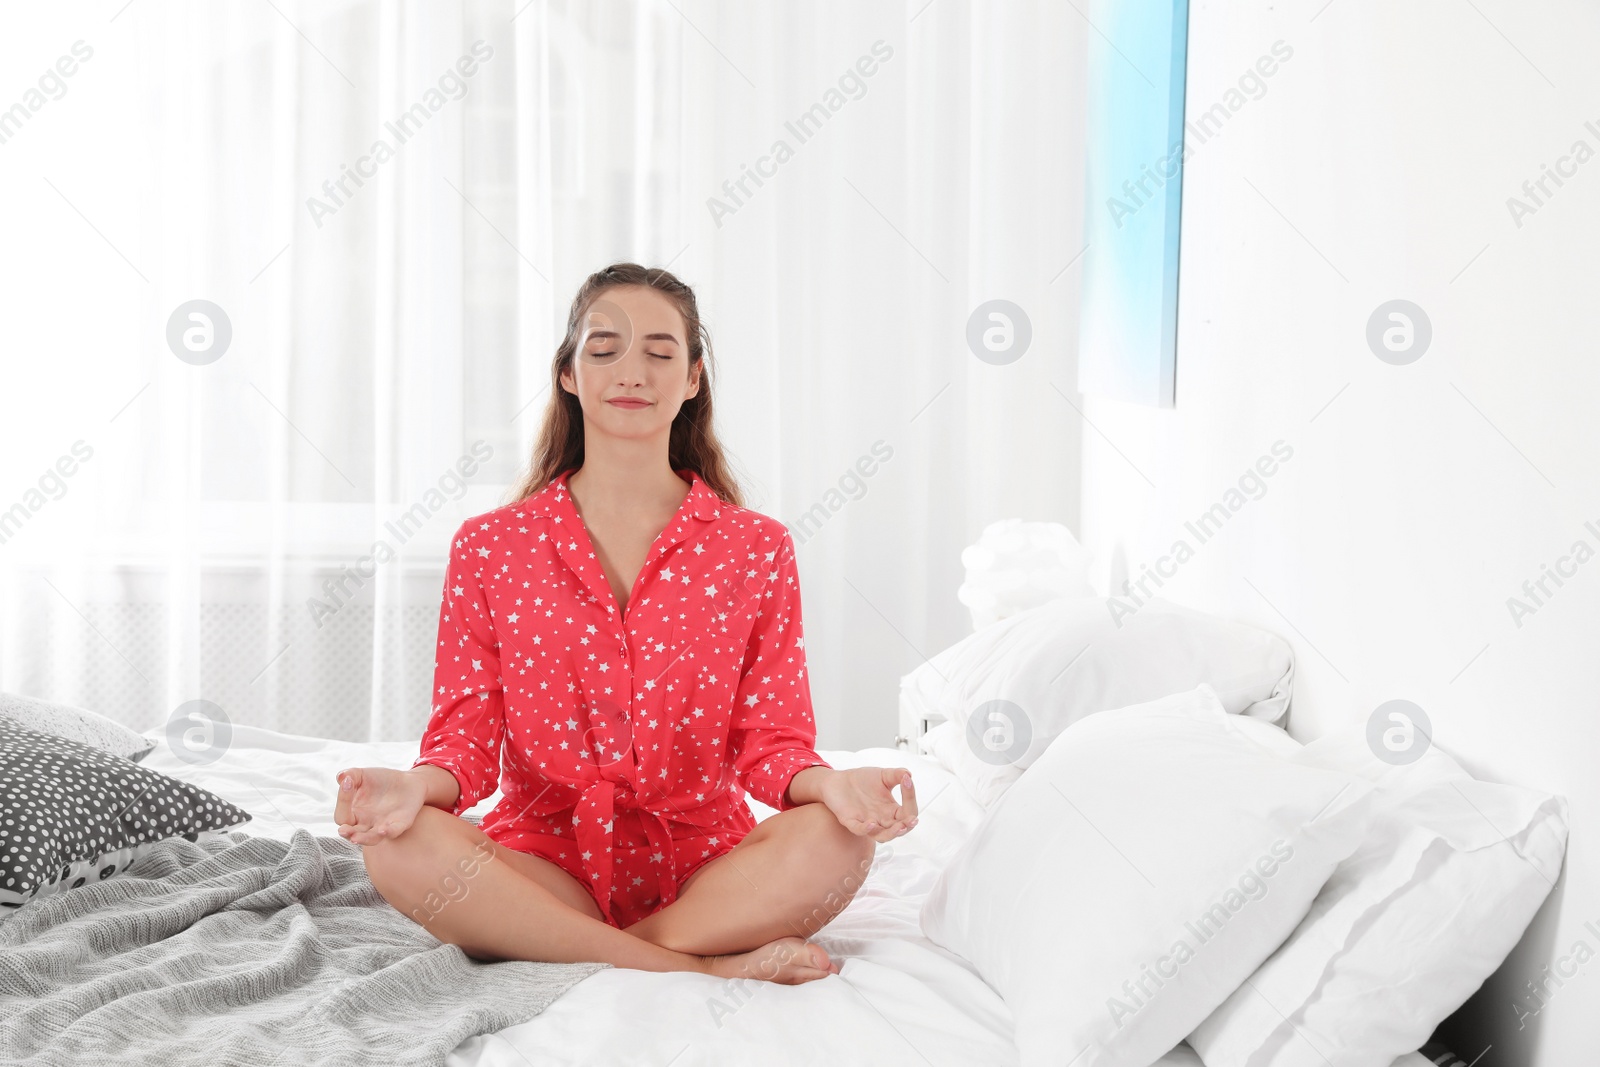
[(899, 998)]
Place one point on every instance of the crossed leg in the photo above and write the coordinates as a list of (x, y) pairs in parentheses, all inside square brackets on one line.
[(788, 877), (441, 872), (497, 904)]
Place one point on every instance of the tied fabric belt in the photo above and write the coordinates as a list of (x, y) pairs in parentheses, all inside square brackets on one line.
[(592, 817)]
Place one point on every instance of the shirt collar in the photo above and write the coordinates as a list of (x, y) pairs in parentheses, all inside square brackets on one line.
[(701, 502)]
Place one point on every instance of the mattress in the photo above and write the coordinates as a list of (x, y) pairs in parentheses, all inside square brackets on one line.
[(898, 995)]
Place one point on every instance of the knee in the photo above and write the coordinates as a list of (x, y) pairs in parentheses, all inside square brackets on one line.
[(394, 861), (837, 864), (852, 848), (426, 869)]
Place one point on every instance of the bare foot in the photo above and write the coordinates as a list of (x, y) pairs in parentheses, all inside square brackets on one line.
[(788, 961)]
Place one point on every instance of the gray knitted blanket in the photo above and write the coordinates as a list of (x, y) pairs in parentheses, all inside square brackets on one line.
[(241, 950)]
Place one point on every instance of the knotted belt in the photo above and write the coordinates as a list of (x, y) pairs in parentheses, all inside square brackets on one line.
[(592, 817)]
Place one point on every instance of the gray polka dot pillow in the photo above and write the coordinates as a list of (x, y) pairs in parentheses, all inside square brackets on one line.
[(79, 724), (71, 814)]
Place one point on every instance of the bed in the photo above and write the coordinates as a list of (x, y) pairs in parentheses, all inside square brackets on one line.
[(898, 998)]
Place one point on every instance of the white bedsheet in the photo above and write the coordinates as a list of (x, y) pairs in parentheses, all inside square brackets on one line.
[(899, 997)]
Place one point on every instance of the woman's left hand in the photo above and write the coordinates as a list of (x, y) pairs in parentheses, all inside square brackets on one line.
[(860, 799)]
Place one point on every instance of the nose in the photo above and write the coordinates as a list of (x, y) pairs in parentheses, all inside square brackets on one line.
[(630, 368)]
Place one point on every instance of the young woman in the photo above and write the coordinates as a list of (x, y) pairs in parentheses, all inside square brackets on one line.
[(621, 652)]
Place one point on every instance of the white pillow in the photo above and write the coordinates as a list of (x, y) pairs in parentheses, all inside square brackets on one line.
[(1451, 873), (1013, 686), (75, 724), (1273, 738), (939, 743), (1140, 870)]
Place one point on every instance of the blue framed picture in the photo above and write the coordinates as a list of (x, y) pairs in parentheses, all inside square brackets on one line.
[(1128, 333)]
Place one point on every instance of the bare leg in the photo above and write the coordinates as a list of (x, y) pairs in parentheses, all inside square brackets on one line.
[(788, 877), (498, 904)]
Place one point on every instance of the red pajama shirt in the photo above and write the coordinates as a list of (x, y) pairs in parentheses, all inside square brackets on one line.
[(623, 742)]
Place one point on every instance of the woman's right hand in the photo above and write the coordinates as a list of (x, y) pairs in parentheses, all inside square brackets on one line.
[(377, 803)]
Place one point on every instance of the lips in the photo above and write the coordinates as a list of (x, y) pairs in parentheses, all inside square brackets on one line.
[(629, 404)]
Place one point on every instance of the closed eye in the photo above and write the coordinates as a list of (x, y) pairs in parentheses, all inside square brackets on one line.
[(605, 355)]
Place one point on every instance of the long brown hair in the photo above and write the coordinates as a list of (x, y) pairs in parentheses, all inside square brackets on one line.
[(693, 443)]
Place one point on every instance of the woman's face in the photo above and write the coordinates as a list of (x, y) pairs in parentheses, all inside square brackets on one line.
[(632, 345)]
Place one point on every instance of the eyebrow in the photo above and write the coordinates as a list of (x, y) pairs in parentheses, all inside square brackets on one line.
[(648, 337)]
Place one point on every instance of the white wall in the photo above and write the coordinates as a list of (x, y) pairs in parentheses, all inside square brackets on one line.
[(1377, 165)]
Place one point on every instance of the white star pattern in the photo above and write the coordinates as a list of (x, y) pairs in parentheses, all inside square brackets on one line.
[(692, 696)]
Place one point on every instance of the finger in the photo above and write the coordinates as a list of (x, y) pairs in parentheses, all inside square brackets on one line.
[(908, 797), (344, 790), (882, 808), (355, 830), (888, 817), (907, 808)]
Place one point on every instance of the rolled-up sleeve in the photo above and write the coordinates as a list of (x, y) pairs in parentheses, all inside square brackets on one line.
[(466, 729), (773, 730)]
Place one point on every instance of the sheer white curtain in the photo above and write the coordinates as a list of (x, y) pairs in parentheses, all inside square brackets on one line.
[(392, 204)]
